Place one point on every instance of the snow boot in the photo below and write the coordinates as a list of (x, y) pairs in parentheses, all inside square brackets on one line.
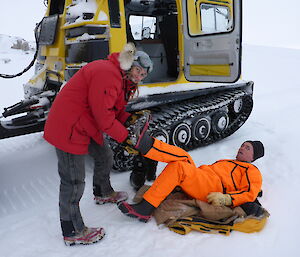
[(137, 179), (141, 211), (138, 174), (86, 237), (115, 197), (252, 208), (151, 169), (143, 168)]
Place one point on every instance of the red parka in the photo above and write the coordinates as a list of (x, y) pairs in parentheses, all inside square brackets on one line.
[(92, 102)]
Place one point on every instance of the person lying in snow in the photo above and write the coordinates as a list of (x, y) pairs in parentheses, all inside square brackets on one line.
[(224, 183)]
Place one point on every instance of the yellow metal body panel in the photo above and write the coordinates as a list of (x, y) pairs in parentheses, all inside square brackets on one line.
[(58, 48), (55, 54), (193, 18), (209, 70), (181, 77), (102, 6), (118, 35), (117, 38)]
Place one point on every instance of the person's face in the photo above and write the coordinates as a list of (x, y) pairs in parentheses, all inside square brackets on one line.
[(137, 74), (245, 153)]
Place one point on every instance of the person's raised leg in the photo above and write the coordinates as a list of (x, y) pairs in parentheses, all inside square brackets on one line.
[(163, 152)]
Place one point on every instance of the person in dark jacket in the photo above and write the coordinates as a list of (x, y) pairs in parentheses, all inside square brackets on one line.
[(223, 183), (91, 104)]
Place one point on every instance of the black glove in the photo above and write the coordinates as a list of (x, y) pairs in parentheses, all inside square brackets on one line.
[(146, 143)]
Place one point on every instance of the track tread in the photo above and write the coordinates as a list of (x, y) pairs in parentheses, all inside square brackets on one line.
[(167, 116)]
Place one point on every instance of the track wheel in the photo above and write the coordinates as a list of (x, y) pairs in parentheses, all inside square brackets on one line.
[(201, 128), (220, 121), (238, 105), (181, 134), (161, 135), (123, 161)]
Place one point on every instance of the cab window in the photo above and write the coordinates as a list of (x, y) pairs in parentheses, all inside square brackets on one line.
[(142, 27), (214, 18), (205, 17)]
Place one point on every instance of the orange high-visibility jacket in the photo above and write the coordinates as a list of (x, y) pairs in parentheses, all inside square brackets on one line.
[(241, 180)]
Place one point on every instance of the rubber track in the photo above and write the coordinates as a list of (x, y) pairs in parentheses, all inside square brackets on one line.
[(169, 115)]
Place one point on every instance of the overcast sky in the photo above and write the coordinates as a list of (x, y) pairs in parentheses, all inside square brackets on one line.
[(266, 22), (272, 22)]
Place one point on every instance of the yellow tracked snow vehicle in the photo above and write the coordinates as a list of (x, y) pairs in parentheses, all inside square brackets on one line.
[(196, 49)]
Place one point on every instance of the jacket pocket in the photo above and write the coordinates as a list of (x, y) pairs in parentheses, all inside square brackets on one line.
[(78, 134)]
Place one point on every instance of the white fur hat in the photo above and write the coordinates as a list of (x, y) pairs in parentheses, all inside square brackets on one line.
[(126, 56)]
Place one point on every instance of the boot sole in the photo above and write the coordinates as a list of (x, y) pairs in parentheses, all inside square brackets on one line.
[(126, 212), (104, 202), (75, 242)]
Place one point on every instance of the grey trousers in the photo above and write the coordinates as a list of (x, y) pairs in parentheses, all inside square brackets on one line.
[(71, 169)]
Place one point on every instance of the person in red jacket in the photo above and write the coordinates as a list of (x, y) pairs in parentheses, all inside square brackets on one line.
[(91, 104), (224, 183)]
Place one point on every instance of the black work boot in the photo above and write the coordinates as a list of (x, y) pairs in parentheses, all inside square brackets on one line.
[(138, 174), (141, 211), (252, 208), (151, 169), (143, 168), (137, 179)]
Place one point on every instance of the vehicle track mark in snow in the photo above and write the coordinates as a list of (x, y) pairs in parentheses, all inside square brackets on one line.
[(31, 194), (10, 145), (8, 202), (46, 187)]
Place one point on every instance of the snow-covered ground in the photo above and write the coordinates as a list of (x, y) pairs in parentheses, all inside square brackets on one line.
[(29, 221)]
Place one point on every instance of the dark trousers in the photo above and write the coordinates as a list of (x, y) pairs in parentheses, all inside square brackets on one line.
[(71, 169)]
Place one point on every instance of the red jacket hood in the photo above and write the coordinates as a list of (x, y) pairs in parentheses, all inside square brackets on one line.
[(129, 86)]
